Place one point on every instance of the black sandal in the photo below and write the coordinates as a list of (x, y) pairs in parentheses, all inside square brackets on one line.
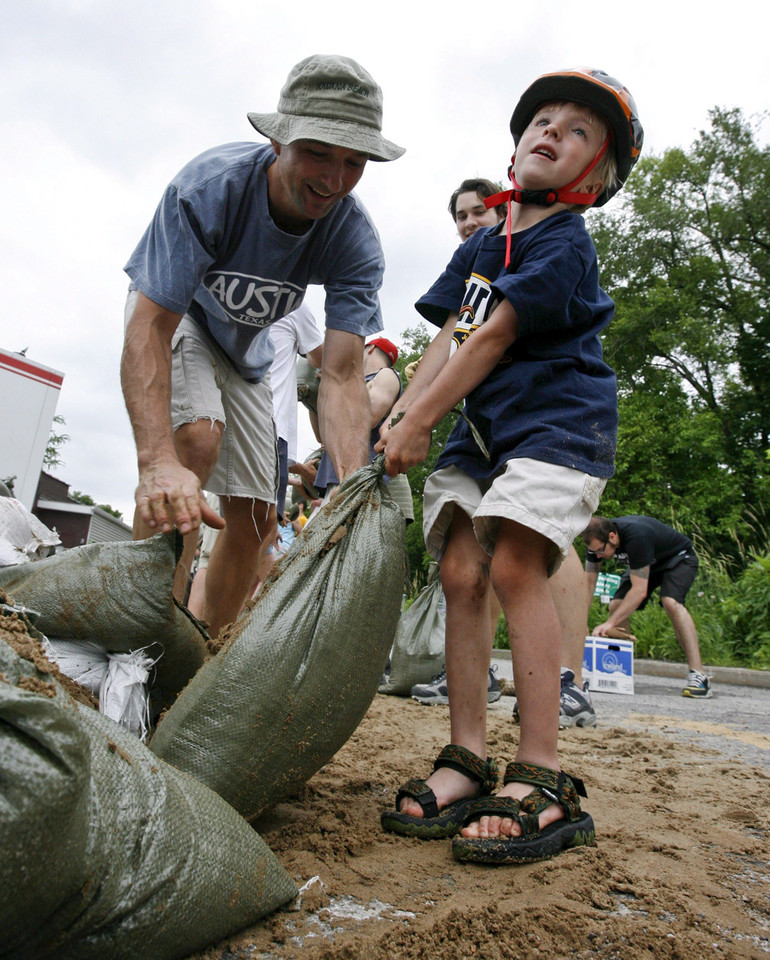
[(576, 829), (435, 824)]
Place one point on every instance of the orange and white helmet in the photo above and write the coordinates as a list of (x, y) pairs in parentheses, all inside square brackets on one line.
[(602, 93)]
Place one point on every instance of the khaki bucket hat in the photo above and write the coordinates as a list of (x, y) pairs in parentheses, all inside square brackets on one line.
[(331, 99)]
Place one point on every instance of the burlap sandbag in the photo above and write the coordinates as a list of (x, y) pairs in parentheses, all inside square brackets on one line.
[(119, 595), (299, 671), (418, 647), (107, 852)]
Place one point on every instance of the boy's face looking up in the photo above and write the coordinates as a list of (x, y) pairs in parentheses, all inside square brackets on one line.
[(559, 143), (471, 214)]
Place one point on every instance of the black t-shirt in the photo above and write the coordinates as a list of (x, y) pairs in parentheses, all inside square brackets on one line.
[(646, 542)]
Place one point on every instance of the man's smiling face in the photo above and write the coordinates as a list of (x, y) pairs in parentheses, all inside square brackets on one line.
[(309, 177)]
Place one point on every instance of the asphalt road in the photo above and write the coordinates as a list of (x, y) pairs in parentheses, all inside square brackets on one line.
[(734, 722)]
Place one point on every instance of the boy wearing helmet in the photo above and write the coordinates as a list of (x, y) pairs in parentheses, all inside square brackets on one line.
[(520, 311)]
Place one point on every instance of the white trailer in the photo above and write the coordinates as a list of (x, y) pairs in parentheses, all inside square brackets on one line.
[(29, 393)]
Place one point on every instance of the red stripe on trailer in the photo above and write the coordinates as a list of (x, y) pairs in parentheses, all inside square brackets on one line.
[(31, 371)]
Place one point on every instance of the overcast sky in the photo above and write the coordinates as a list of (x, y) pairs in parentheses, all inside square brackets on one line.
[(104, 101)]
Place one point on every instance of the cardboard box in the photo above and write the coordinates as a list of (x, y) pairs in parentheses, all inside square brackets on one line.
[(608, 665)]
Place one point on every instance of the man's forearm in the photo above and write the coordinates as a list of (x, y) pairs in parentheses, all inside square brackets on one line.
[(591, 578), (145, 375), (626, 607), (343, 413)]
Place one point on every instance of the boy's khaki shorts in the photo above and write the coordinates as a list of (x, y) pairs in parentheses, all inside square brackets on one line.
[(206, 386), (555, 501)]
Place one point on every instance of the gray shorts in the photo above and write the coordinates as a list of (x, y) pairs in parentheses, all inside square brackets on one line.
[(206, 386), (555, 501)]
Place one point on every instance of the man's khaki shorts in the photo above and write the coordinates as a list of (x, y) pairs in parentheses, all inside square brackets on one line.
[(206, 386)]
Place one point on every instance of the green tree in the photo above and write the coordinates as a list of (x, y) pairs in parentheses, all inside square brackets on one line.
[(685, 254), (90, 502), (52, 455)]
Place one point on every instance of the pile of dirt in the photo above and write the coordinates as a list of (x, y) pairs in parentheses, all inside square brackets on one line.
[(680, 868)]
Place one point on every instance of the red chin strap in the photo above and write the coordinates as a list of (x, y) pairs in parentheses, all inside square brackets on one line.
[(543, 198)]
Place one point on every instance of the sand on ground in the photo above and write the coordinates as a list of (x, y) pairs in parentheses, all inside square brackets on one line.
[(681, 868)]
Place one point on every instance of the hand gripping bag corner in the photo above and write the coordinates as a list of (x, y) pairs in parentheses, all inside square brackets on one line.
[(106, 850), (300, 669)]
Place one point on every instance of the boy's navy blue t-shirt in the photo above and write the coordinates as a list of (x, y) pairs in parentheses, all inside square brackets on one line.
[(551, 397)]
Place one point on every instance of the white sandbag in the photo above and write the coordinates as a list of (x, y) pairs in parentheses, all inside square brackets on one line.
[(23, 537), (118, 680)]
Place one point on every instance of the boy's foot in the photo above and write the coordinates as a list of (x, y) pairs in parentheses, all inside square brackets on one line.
[(575, 707), (505, 826), (698, 685), (438, 807), (436, 690), (510, 829)]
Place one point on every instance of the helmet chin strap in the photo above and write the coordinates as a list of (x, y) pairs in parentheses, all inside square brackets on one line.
[(543, 198)]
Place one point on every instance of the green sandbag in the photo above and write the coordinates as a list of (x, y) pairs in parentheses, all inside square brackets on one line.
[(300, 670), (308, 380), (108, 851), (119, 595), (418, 647)]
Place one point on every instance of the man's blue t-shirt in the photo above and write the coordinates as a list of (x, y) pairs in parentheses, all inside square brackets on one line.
[(213, 251), (551, 397)]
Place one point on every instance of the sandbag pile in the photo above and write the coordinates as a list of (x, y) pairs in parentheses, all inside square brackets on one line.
[(299, 671), (120, 596), (106, 850)]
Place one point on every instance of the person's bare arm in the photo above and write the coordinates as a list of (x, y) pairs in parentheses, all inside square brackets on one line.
[(315, 357), (625, 607), (343, 402), (168, 494), (591, 578), (383, 393), (436, 393)]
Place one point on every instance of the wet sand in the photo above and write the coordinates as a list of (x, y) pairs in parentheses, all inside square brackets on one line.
[(681, 867)]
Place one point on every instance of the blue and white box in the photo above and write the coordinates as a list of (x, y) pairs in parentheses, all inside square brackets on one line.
[(608, 665)]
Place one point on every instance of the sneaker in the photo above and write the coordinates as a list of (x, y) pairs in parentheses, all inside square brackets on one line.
[(385, 678), (698, 685), (436, 690), (493, 686), (575, 707)]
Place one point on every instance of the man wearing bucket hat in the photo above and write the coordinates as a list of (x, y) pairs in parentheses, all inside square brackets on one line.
[(238, 236)]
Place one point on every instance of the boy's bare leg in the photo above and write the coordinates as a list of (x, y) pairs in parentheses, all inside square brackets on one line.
[(465, 580), (519, 576), (568, 592)]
